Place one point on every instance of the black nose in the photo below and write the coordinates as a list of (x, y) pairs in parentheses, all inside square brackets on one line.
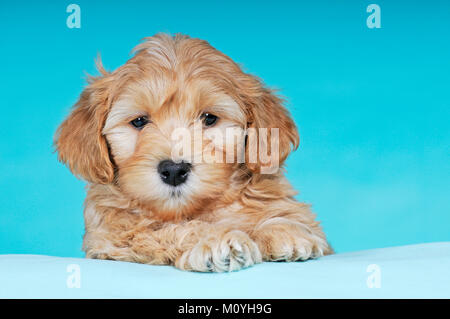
[(173, 173)]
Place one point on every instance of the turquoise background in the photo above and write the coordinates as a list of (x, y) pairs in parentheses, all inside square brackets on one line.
[(372, 106)]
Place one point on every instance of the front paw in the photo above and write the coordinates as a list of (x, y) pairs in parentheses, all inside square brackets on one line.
[(290, 243), (232, 251)]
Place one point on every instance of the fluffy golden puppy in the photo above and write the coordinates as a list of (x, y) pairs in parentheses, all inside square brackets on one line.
[(148, 204)]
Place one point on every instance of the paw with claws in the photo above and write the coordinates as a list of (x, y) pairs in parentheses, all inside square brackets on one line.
[(232, 251), (291, 242)]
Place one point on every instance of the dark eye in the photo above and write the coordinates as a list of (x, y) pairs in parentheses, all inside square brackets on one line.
[(209, 119), (139, 122)]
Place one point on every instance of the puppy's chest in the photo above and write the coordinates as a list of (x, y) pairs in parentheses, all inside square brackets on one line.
[(135, 217)]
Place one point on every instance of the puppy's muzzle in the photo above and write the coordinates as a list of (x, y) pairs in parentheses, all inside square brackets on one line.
[(173, 173)]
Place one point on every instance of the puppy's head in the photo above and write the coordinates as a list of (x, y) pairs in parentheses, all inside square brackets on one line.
[(169, 126)]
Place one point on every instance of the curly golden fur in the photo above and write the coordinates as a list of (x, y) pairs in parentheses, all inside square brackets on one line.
[(227, 215)]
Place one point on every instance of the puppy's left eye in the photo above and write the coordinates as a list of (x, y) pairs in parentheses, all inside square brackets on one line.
[(139, 122), (209, 119)]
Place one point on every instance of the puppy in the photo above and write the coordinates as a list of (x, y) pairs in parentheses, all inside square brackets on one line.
[(148, 204)]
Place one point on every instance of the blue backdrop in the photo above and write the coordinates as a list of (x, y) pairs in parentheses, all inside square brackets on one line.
[(372, 106)]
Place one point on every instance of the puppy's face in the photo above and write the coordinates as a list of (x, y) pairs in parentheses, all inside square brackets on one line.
[(167, 136), (168, 127)]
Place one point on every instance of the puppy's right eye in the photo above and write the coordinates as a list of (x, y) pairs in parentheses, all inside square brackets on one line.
[(209, 119), (139, 122)]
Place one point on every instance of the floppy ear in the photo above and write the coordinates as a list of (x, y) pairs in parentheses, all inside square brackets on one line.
[(266, 111), (79, 140)]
